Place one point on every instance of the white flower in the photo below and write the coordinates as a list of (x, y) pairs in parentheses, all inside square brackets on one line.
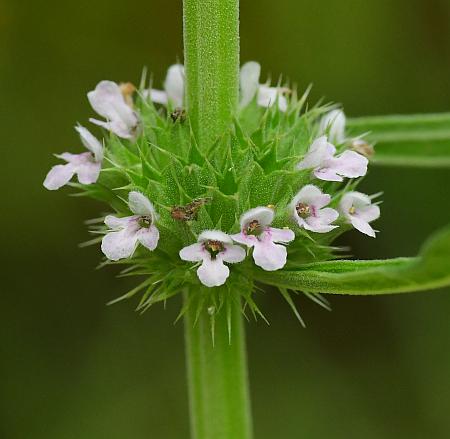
[(266, 96), (127, 232), (213, 249), (86, 165), (256, 233), (321, 158), (333, 123), (108, 101), (358, 210), (309, 211), (173, 87)]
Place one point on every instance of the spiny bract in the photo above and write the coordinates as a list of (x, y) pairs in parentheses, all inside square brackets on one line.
[(269, 194)]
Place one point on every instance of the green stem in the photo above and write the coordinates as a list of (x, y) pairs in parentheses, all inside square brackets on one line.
[(211, 57), (217, 375)]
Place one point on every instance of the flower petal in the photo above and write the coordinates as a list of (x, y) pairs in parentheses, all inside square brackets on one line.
[(312, 196), (269, 256), (174, 84), (140, 204), (318, 153), (350, 164), (369, 213), (322, 222), (264, 215), (328, 215), (334, 123), (108, 101), (88, 172), (280, 235), (267, 96), (327, 174), (119, 245), (363, 226), (249, 81), (193, 253), (116, 223), (118, 127), (215, 235), (158, 96), (242, 238), (148, 237), (90, 142), (59, 176), (213, 272), (346, 203), (233, 253)]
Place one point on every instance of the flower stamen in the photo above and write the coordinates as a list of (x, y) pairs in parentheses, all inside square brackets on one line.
[(303, 210), (214, 247), (145, 221), (254, 228)]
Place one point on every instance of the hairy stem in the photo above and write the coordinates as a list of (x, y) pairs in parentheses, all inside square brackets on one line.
[(217, 375), (211, 56)]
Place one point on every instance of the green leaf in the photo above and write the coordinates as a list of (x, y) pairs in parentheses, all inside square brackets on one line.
[(407, 140), (429, 270)]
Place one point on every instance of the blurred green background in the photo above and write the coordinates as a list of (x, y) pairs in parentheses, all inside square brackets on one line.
[(73, 368)]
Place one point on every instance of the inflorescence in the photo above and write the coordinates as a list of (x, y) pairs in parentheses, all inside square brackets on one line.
[(272, 187)]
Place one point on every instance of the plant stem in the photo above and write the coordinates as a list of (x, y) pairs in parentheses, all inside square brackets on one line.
[(211, 57), (217, 375)]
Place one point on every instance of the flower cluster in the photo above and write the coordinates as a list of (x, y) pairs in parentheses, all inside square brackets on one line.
[(273, 184)]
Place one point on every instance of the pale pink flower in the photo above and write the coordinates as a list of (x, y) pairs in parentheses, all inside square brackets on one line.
[(358, 210), (266, 96), (108, 101), (257, 233), (86, 165), (309, 211), (126, 233), (213, 249), (333, 123), (174, 87), (321, 159)]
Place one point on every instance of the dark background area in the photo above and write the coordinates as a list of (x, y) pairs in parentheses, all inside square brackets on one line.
[(74, 368)]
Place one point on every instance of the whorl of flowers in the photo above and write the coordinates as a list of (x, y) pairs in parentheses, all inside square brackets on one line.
[(270, 194)]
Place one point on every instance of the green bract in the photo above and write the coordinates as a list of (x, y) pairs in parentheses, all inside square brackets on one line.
[(252, 164)]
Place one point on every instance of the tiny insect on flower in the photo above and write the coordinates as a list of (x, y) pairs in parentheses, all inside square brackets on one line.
[(189, 212), (359, 211), (257, 233), (86, 165), (126, 233), (178, 115), (213, 249), (309, 211), (321, 159)]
